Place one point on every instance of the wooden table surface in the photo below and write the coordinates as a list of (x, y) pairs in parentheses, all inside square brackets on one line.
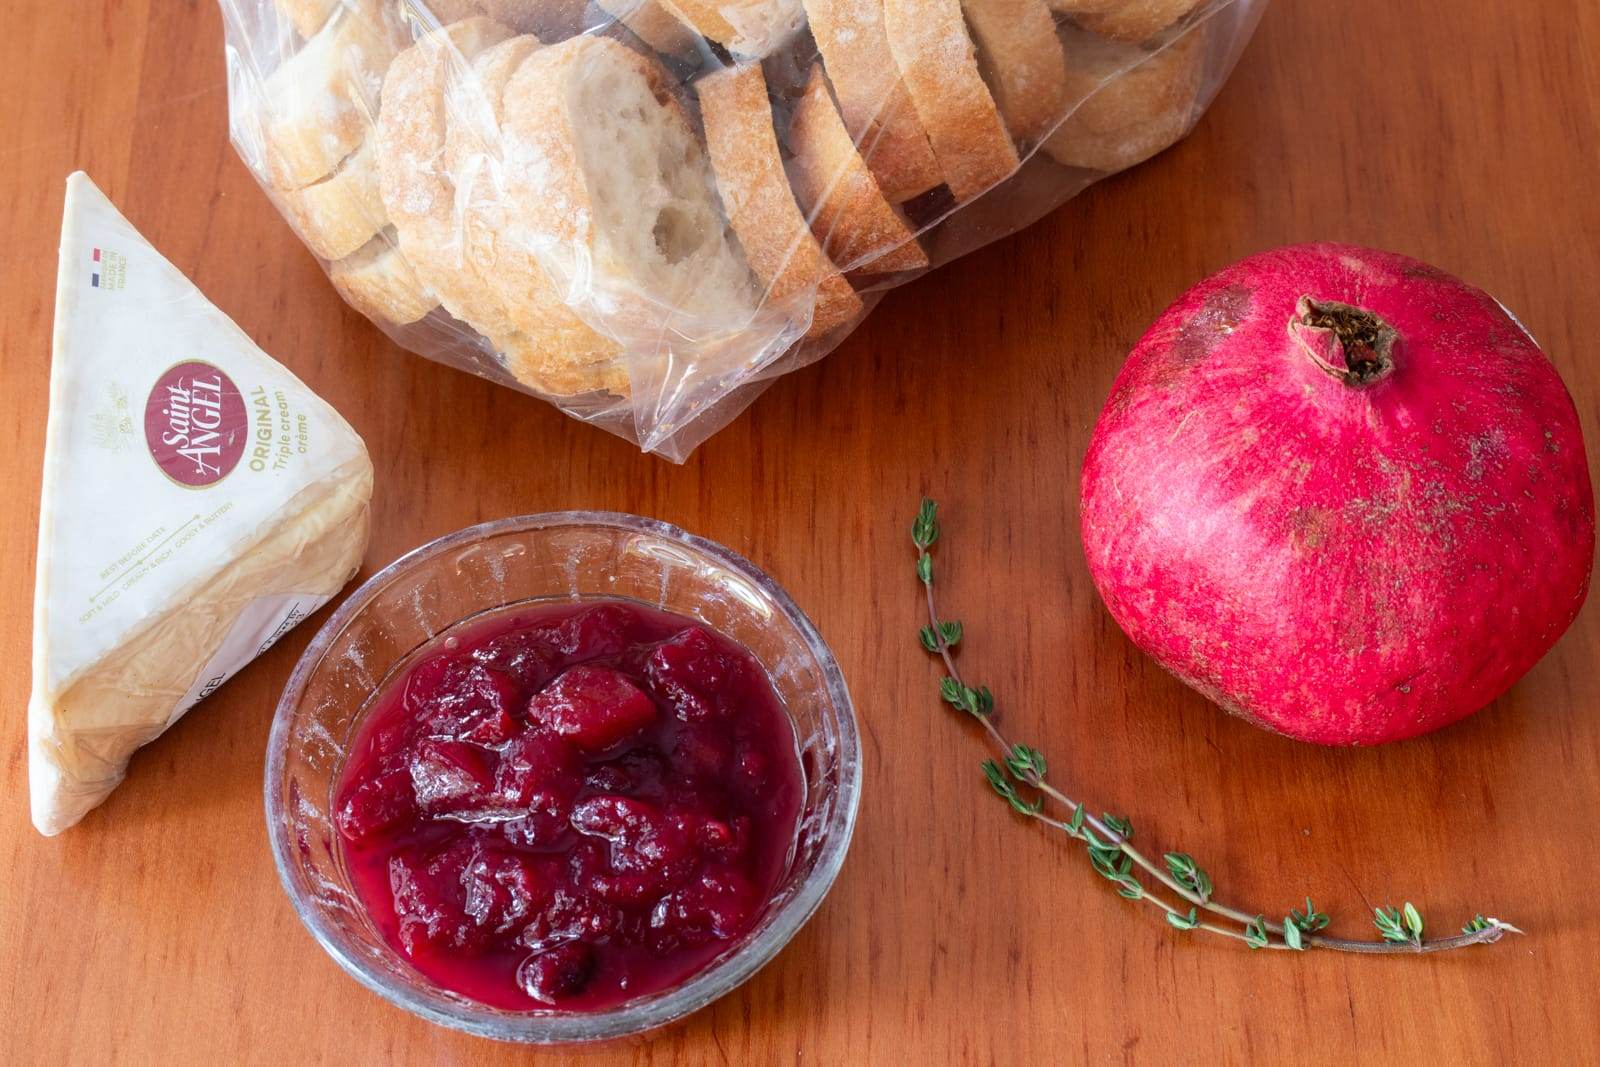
[(1465, 133)]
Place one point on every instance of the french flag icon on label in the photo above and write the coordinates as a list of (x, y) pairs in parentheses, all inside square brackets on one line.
[(94, 279)]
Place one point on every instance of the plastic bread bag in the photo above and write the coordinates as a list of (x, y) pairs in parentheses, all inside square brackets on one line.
[(644, 211)]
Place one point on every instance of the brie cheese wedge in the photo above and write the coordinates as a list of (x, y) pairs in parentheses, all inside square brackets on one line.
[(198, 502)]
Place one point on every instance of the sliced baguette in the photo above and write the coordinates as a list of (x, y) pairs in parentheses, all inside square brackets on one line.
[(558, 354), (937, 61), (1019, 51), (307, 16), (549, 20), (872, 97), (749, 28), (474, 105), (416, 186), (1135, 20), (858, 228), (377, 281), (1134, 103), (323, 99), (342, 212), (653, 24), (761, 206), (545, 344), (607, 184)]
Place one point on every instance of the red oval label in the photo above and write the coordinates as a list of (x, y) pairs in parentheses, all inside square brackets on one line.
[(195, 424)]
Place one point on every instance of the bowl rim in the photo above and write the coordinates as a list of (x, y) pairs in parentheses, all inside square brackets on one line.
[(652, 1011)]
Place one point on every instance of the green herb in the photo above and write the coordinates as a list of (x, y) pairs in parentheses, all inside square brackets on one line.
[(1018, 777), (1311, 920)]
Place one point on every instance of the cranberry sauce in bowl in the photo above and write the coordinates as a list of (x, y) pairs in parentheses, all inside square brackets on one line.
[(566, 806), (580, 731)]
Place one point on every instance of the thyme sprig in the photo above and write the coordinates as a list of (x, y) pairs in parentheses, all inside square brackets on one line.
[(1019, 778)]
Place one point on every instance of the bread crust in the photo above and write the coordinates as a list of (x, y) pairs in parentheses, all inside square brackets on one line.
[(549, 20), (342, 212), (750, 175), (322, 100), (377, 281), (653, 24), (1136, 20), (748, 28), (474, 106), (857, 227), (546, 346), (1027, 70), (417, 188), (1074, 8), (872, 97), (937, 61), (1146, 105)]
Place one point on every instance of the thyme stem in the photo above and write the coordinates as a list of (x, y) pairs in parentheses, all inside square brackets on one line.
[(1110, 838)]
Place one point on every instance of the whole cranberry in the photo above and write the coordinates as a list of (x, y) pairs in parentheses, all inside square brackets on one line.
[(557, 974), (530, 657)]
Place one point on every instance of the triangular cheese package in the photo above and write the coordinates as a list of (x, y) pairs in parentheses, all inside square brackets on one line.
[(198, 501)]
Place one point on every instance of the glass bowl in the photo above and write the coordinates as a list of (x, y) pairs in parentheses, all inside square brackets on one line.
[(548, 558)]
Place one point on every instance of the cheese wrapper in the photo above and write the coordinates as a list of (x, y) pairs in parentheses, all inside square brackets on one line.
[(198, 501)]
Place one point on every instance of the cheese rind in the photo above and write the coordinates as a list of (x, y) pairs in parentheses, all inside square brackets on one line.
[(198, 500)]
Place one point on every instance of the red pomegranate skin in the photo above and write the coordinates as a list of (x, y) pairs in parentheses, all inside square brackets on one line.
[(1343, 534)]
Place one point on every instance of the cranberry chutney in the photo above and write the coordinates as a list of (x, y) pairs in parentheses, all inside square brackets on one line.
[(569, 806)]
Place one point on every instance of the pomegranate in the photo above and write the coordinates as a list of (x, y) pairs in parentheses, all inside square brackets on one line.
[(1340, 493)]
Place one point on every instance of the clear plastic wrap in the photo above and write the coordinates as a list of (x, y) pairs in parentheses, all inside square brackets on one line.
[(645, 210)]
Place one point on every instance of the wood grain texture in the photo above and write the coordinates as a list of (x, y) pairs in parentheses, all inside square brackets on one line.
[(156, 931)]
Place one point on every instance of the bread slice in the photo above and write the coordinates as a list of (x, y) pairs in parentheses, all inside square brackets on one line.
[(1074, 8), (560, 355), (341, 213), (377, 281), (1021, 57), (653, 24), (474, 105), (1136, 20), (777, 242), (1134, 103), (936, 58), (307, 16), (749, 28), (549, 20), (607, 184), (322, 100), (872, 98), (417, 189), (857, 227), (544, 343)]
